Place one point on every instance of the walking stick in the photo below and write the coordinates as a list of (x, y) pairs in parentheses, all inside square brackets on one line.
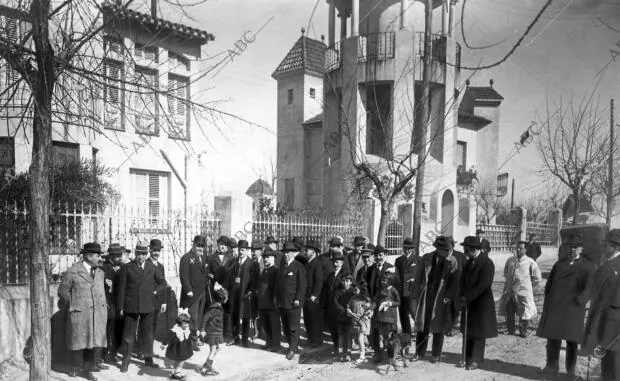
[(464, 358)]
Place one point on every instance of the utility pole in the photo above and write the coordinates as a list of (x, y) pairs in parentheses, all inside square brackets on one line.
[(610, 177), (512, 196)]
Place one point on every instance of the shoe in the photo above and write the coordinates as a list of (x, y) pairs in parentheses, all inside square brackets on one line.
[(523, 334), (124, 367), (376, 359), (234, 341), (473, 366), (98, 367), (416, 357), (555, 370), (435, 359), (148, 361), (178, 376), (276, 348), (509, 332), (290, 355), (87, 374), (245, 344), (111, 359), (461, 364), (347, 358), (360, 361)]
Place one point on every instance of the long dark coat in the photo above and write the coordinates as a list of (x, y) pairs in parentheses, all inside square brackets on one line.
[(566, 293), (266, 290), (249, 273), (315, 282), (476, 282), (160, 297), (332, 285), (437, 280), (407, 269), (87, 309), (216, 266), (603, 324), (352, 261), (374, 277), (111, 293), (291, 285), (137, 287), (193, 276)]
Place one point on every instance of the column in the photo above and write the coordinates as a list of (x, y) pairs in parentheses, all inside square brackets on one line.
[(331, 33), (355, 18), (445, 17), (403, 16), (343, 26), (451, 17)]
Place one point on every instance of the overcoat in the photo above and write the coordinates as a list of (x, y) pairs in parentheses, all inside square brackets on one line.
[(522, 275), (374, 277), (249, 273), (137, 287), (603, 324), (332, 285), (435, 289), (87, 311), (111, 293), (217, 264), (476, 282), (193, 277), (566, 294), (291, 285), (315, 282), (266, 290), (160, 297), (353, 262)]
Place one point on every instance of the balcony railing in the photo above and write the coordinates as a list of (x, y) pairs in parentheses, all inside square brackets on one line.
[(377, 46), (438, 48), (332, 57)]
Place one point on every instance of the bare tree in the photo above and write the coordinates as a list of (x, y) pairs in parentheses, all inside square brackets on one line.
[(573, 145), (488, 201), (599, 189)]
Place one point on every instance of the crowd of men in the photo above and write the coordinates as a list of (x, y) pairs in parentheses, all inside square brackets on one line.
[(112, 308)]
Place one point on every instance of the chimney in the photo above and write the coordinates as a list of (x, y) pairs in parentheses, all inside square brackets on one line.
[(154, 8)]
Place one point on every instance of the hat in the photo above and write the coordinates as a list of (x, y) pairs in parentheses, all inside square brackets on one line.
[(299, 241), (574, 240), (270, 239), (200, 241), (243, 244), (442, 243), (335, 241), (471, 241), (290, 246), (338, 257), (141, 249), (257, 246), (232, 243), (358, 241), (115, 249), (314, 246), (479, 231), (223, 240), (380, 249), (91, 248), (614, 236), (408, 243), (269, 253), (155, 245), (368, 249)]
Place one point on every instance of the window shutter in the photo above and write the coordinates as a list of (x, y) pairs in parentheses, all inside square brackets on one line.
[(140, 190), (182, 95), (172, 100), (153, 195)]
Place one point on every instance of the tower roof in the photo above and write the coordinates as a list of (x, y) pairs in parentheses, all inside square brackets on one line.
[(484, 93), (259, 188), (306, 54)]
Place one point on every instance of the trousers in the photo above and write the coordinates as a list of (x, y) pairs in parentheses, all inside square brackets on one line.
[(290, 323), (142, 324)]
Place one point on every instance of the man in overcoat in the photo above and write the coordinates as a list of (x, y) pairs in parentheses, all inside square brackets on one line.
[(241, 282), (290, 296), (367, 260), (476, 297), (313, 307), (138, 282), (159, 302), (193, 270), (353, 260), (602, 329), (435, 289), (82, 291), (407, 268), (266, 302), (566, 294), (334, 282), (114, 329), (335, 247), (272, 243), (485, 245)]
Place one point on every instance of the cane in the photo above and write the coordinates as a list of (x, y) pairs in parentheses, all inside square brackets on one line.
[(464, 360)]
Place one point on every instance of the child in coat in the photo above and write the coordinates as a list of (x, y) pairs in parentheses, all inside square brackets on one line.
[(360, 309), (212, 329), (343, 321), (385, 316), (179, 345)]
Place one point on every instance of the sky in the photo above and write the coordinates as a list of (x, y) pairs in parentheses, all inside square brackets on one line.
[(560, 58)]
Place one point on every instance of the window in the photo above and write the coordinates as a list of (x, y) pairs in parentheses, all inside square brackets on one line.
[(289, 193), (461, 154), (148, 53), (11, 34), (112, 45), (64, 153), (145, 102), (7, 156), (177, 61), (290, 96), (113, 95), (312, 93), (178, 97), (150, 191), (378, 120)]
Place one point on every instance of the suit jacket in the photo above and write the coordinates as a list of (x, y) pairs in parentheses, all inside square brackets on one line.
[(315, 281), (407, 269), (248, 274), (137, 287), (602, 326), (476, 282), (332, 285), (111, 293), (266, 290), (374, 277), (291, 285), (193, 276), (352, 262), (328, 264), (216, 267), (160, 297), (361, 278)]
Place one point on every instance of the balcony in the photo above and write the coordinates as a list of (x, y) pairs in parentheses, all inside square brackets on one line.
[(438, 48), (377, 46), (332, 57), (466, 180)]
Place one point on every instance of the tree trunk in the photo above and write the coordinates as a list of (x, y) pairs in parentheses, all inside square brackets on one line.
[(42, 87), (386, 211), (577, 197), (426, 84)]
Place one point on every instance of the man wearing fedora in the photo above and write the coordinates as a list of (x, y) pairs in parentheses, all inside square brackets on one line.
[(567, 292), (435, 289), (193, 271), (114, 329), (367, 260), (82, 290), (353, 260), (485, 245), (139, 280), (476, 297), (266, 302), (335, 247), (272, 243), (241, 282), (406, 269), (313, 307), (334, 281), (290, 296), (602, 329)]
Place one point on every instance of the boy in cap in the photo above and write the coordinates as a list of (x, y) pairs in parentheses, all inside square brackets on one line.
[(193, 270)]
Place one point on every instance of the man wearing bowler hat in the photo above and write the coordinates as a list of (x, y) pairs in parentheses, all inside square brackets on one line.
[(485, 245), (290, 295), (313, 307), (476, 298), (138, 282), (602, 329), (406, 269), (82, 290), (272, 243), (114, 329), (266, 302), (193, 271)]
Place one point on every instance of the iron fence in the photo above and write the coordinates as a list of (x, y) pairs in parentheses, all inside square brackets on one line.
[(376, 46), (546, 234), (332, 57), (394, 237), (501, 237)]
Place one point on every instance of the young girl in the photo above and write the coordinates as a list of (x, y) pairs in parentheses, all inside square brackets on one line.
[(360, 309), (213, 328), (384, 319), (179, 345)]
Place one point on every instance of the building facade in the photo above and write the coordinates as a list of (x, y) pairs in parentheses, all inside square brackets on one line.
[(358, 100)]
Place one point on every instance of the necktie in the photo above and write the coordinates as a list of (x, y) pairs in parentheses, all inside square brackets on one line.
[(92, 272)]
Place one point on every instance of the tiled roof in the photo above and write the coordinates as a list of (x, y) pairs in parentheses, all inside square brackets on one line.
[(259, 188), (468, 117), (314, 119), (156, 23), (307, 54), (484, 93)]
